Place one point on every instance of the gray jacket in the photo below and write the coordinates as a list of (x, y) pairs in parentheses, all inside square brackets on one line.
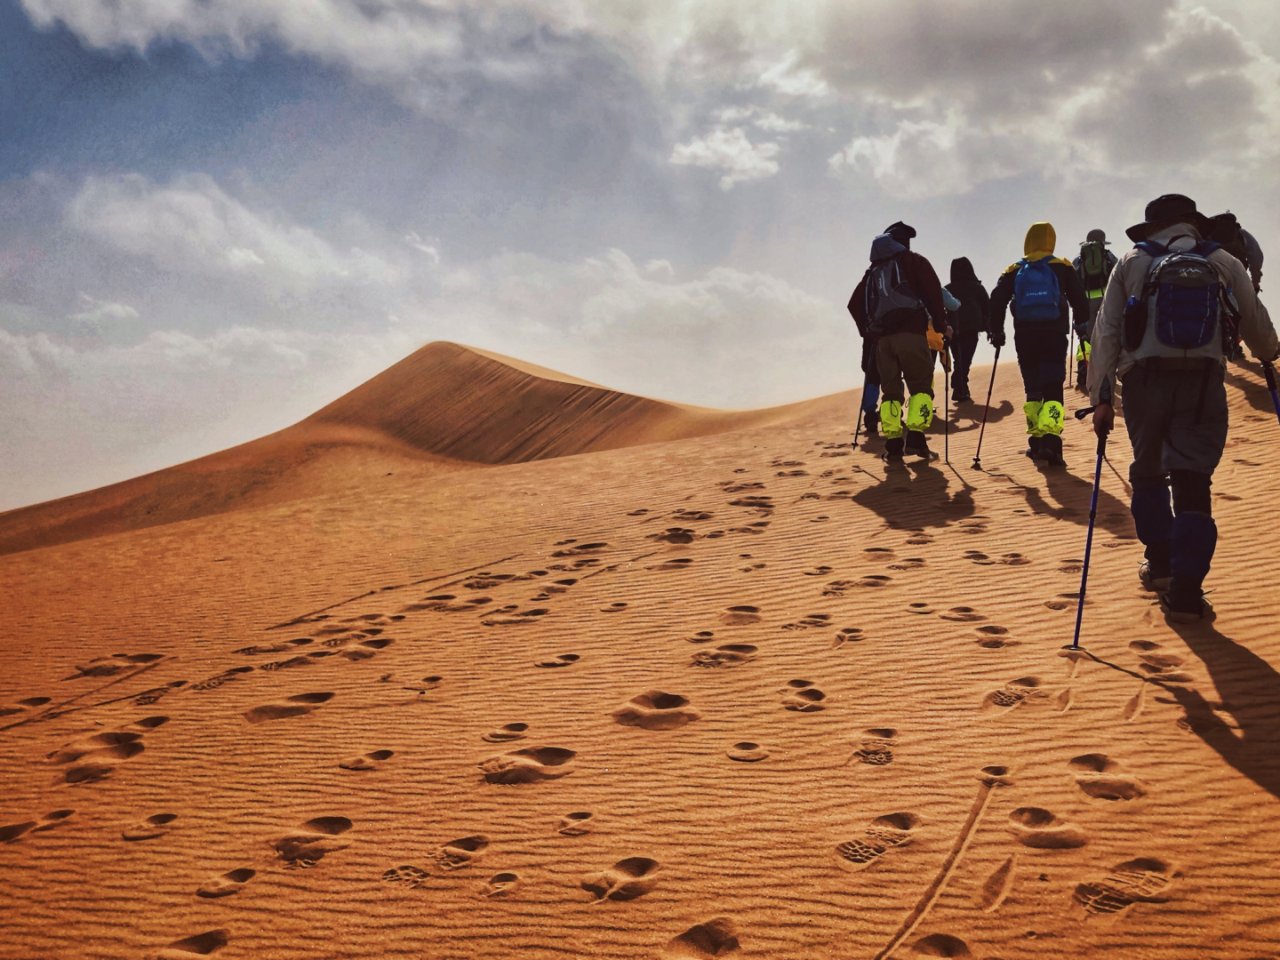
[(1111, 357)]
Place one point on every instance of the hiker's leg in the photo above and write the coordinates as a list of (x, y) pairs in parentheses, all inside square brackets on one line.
[(962, 351), (892, 394), (1193, 447), (1051, 371), (870, 386), (917, 369), (1028, 352), (1146, 416)]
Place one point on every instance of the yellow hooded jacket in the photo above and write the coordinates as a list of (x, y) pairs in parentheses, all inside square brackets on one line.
[(1039, 243)]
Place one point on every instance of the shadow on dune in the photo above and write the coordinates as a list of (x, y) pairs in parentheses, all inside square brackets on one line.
[(1068, 499), (1250, 691), (967, 418), (1252, 389), (916, 496)]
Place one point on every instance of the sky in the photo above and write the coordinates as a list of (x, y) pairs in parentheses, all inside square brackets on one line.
[(217, 217)]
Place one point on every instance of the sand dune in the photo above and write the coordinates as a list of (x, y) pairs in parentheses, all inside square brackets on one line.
[(744, 694), (444, 407)]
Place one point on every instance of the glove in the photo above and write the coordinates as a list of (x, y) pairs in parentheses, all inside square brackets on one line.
[(997, 339), (935, 340), (1082, 332)]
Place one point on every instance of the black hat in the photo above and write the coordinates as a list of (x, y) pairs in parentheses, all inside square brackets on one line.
[(1165, 211), (901, 232), (1096, 235)]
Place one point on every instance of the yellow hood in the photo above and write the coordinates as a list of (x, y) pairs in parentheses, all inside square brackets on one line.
[(1040, 241)]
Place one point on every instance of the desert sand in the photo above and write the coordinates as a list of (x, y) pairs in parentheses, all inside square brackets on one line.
[(482, 660)]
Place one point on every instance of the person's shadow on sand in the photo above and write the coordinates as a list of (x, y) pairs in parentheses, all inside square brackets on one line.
[(916, 495), (1071, 496)]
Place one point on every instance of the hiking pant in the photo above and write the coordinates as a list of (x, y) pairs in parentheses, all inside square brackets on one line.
[(1176, 414), (905, 357), (871, 375), (1042, 361), (963, 348)]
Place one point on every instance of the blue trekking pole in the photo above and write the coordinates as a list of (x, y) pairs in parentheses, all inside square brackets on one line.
[(1269, 371), (1093, 516)]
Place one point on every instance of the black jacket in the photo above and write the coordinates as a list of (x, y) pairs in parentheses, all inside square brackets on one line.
[(922, 280), (975, 303)]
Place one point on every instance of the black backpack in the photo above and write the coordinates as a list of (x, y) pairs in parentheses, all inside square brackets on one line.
[(888, 294)]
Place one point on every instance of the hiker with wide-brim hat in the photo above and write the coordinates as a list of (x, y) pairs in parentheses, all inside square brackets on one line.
[(1172, 308)]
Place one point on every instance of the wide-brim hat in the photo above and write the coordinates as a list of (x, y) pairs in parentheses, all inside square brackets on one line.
[(1165, 211)]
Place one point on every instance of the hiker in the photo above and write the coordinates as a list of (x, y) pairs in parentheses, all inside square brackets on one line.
[(897, 301), (969, 320), (1174, 305), (1040, 289), (1226, 231), (1094, 266)]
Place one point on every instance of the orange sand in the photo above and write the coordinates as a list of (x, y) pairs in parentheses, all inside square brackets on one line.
[(483, 661)]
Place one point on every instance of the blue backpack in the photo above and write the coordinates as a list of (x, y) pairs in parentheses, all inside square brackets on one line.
[(1184, 295), (1036, 294)]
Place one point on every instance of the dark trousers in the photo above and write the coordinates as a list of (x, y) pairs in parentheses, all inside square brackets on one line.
[(1042, 361), (963, 348)]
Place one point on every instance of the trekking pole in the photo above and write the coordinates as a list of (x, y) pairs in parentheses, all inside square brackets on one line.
[(977, 457), (946, 412), (1093, 516), (1269, 371), (1072, 378)]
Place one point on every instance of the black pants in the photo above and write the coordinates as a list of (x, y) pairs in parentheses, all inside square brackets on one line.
[(963, 348), (1042, 361)]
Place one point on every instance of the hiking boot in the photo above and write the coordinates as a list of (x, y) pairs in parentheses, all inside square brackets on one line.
[(1033, 447), (1181, 607), (917, 446), (873, 429), (1154, 579), (1051, 451), (893, 450)]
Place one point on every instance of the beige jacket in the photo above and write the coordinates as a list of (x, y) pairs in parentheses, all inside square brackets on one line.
[(1111, 358)]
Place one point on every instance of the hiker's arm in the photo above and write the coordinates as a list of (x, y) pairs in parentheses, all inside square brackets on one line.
[(1000, 297), (1255, 323), (931, 291), (858, 306), (1255, 257), (1078, 302), (1106, 343)]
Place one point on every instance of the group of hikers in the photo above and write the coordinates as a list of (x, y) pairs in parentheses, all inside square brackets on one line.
[(1163, 319)]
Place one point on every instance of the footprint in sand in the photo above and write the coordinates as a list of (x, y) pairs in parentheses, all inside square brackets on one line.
[(873, 581), (95, 757), (625, 880), (728, 655), (702, 636), (674, 535), (312, 841), (579, 549), (114, 664), (919, 540), (941, 945), (22, 706), (298, 705), (501, 885), (740, 615), (406, 875), (14, 832), (656, 710), (975, 525), (962, 615), (616, 607), (559, 660), (216, 681), (704, 941), (747, 751), (368, 761), (528, 765), (507, 733), (909, 563), (675, 563), (876, 746), (808, 621), (201, 945), (576, 824), (877, 553), (149, 828), (1102, 778), (1072, 565), (1039, 828), (515, 619), (803, 697), (881, 835), (848, 635), (304, 660), (1159, 666), (233, 881), (1141, 880), (692, 516), (978, 557), (838, 588), (921, 608), (819, 571), (994, 637), (460, 853), (1063, 601), (1013, 694)]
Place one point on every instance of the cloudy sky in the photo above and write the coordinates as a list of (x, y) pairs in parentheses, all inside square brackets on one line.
[(219, 216)]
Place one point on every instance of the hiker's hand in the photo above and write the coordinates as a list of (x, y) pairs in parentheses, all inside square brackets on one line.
[(997, 339), (950, 333), (1104, 418)]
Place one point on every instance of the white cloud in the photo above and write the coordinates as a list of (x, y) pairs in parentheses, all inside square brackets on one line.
[(99, 314), (731, 152)]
